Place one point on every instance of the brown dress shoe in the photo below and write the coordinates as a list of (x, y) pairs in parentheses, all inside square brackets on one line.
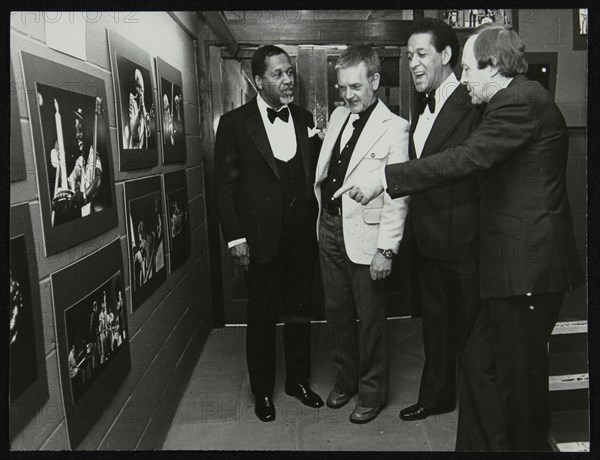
[(337, 399), (362, 414)]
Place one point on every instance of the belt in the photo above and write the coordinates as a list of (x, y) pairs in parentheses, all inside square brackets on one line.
[(332, 209)]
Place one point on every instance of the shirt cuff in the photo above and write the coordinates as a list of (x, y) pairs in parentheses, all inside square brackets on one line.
[(235, 242), (383, 179)]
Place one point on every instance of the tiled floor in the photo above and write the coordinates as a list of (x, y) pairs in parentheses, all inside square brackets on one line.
[(217, 409)]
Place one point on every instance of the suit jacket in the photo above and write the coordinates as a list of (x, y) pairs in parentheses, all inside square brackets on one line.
[(445, 220), (521, 148), (380, 224), (248, 191)]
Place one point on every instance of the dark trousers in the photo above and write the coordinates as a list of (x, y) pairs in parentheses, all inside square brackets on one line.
[(360, 352), (503, 401), (450, 303), (281, 288)]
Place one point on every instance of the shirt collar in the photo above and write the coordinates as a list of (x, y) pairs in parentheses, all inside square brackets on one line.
[(445, 90), (263, 106), (506, 83)]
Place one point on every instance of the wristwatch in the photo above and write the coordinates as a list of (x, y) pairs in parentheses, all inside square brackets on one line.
[(387, 253)]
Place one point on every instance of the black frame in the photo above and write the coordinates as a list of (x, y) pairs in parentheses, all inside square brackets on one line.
[(50, 74), (135, 190), (69, 286), (18, 170), (166, 73), (31, 399), (123, 52), (179, 251)]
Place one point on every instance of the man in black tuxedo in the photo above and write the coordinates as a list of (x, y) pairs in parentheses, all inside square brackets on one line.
[(264, 170), (443, 221), (528, 257)]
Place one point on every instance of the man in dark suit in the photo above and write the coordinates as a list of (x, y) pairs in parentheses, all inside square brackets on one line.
[(444, 221), (264, 169), (528, 257)]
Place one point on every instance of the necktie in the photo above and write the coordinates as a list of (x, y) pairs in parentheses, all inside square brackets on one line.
[(284, 114), (428, 101)]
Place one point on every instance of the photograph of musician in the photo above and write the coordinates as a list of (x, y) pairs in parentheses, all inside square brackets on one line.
[(444, 221), (179, 226), (168, 128), (23, 360), (528, 257), (86, 178), (357, 243), (137, 105), (264, 170), (144, 257), (94, 334), (75, 138)]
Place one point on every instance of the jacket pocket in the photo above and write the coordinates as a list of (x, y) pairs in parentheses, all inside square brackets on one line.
[(371, 215), (505, 224)]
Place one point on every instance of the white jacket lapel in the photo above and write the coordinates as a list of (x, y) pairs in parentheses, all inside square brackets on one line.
[(333, 132), (373, 130)]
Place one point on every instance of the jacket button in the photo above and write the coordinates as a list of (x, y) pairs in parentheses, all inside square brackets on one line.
[(372, 155), (529, 294), (396, 188)]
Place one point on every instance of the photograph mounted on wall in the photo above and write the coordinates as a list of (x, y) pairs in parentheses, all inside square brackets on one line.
[(28, 387), (171, 107), (92, 335), (178, 218), (96, 331), (145, 237), (17, 161), (135, 103), (72, 150)]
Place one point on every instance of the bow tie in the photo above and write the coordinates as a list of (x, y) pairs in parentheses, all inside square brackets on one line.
[(428, 101), (284, 114)]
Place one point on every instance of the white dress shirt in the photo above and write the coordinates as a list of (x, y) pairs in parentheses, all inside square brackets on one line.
[(427, 119), (282, 138)]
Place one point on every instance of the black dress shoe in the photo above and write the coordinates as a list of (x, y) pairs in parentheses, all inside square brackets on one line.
[(264, 409), (304, 394), (418, 412)]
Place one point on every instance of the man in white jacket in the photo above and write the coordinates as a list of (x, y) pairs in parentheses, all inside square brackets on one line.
[(357, 242)]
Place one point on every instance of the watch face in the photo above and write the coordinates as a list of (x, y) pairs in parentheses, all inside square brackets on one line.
[(387, 253)]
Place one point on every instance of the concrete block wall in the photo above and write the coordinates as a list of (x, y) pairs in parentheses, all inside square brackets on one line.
[(167, 332)]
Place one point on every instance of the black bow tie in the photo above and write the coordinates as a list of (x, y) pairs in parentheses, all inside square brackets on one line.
[(428, 101), (284, 114)]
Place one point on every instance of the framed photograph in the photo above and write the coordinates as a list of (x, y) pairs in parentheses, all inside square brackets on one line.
[(145, 237), (171, 112), (580, 29), (28, 382), (178, 218), (469, 19), (135, 103), (72, 151), (92, 336), (17, 161)]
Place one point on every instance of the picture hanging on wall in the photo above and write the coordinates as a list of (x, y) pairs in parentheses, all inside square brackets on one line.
[(17, 161), (28, 382), (92, 336), (171, 108), (178, 218), (580, 29), (145, 237), (72, 151), (135, 104)]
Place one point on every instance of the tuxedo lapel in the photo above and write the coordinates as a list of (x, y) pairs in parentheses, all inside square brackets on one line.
[(373, 130), (454, 110), (412, 152), (258, 134)]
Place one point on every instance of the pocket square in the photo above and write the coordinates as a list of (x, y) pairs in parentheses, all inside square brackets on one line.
[(313, 131)]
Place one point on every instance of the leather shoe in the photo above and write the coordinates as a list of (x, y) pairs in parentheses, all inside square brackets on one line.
[(302, 392), (337, 399), (418, 412), (264, 409), (362, 414)]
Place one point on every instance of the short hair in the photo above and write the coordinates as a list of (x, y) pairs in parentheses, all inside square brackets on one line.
[(141, 228), (355, 54), (496, 44), (442, 35), (259, 59)]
